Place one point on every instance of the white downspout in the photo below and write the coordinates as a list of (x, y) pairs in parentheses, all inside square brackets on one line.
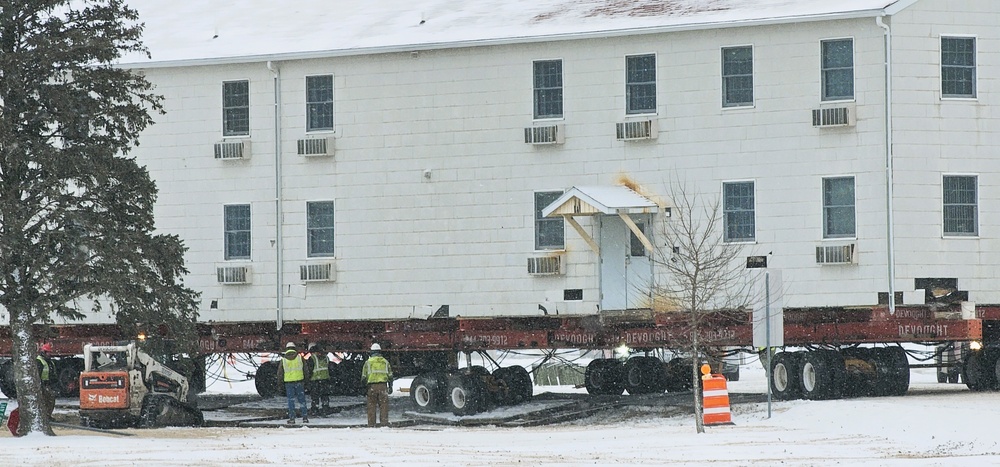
[(890, 228), (278, 243)]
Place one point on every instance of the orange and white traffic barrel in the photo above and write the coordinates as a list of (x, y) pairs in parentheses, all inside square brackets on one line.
[(715, 397)]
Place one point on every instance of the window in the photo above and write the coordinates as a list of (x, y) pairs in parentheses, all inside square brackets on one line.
[(237, 222), (549, 234), (838, 69), (635, 246), (961, 211), (319, 103), (319, 229), (738, 211), (958, 67), (236, 108), (737, 76), (640, 84), (838, 207), (548, 89)]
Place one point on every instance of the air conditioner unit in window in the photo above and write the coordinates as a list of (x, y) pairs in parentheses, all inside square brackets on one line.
[(317, 272), (552, 134), (545, 265), (836, 254), (316, 146), (232, 149), (638, 129), (833, 116), (233, 274)]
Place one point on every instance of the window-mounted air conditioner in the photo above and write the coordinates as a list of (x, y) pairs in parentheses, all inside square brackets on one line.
[(833, 117), (836, 254), (552, 134), (544, 265), (233, 274), (232, 149), (316, 147), (635, 130), (317, 272)]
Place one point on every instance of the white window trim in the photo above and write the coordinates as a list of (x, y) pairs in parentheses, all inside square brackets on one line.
[(222, 109), (978, 210), (656, 86), (722, 190), (534, 228), (309, 256), (822, 208), (854, 61), (531, 84), (753, 74), (975, 39), (305, 103), (225, 252)]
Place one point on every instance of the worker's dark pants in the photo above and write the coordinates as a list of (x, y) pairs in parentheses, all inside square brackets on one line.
[(295, 391), (319, 392), (48, 401), (378, 401)]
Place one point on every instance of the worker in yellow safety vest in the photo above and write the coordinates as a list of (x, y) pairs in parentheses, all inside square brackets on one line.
[(47, 371), (318, 386), (377, 374), (292, 374)]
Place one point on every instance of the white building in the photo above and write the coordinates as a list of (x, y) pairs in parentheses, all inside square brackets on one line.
[(420, 189)]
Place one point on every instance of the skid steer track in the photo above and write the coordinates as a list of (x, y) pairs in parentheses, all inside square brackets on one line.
[(162, 410)]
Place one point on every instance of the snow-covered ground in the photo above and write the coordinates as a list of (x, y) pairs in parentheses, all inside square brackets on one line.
[(935, 424)]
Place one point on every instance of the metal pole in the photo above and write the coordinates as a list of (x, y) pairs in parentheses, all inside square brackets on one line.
[(767, 335)]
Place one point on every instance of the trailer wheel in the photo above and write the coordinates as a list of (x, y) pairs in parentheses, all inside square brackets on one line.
[(427, 391), (604, 377), (521, 388), (822, 374), (7, 379), (896, 371), (266, 380), (979, 371), (644, 375), (464, 394), (68, 376), (678, 374), (786, 375)]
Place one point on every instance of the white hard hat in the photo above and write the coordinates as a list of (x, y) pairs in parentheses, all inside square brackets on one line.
[(376, 347), (290, 345)]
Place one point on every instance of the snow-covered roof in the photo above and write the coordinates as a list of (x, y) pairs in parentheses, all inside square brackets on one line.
[(212, 31), (607, 199)]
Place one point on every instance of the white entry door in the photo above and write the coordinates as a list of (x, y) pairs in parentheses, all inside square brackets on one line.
[(626, 271)]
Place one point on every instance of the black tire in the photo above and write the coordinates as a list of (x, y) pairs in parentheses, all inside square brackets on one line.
[(7, 379), (644, 375), (979, 371), (894, 368), (522, 389), (266, 380), (427, 391), (604, 377), (464, 394), (68, 376), (504, 381), (350, 378), (822, 374), (678, 375), (786, 375)]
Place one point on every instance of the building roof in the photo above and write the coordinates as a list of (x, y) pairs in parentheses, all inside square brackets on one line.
[(185, 32)]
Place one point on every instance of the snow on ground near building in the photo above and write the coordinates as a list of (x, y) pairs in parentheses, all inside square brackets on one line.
[(935, 424)]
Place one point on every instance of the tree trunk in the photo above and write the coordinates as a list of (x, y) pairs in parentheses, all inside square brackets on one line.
[(27, 381), (699, 421)]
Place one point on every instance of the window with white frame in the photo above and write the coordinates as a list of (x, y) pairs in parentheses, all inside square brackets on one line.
[(319, 229), (838, 207), (319, 103), (961, 206), (548, 89), (549, 231), (737, 76), (738, 211), (636, 248), (838, 69), (640, 84), (237, 231), (236, 108), (958, 67)]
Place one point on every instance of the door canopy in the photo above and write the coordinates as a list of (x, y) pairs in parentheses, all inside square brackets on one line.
[(602, 200)]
